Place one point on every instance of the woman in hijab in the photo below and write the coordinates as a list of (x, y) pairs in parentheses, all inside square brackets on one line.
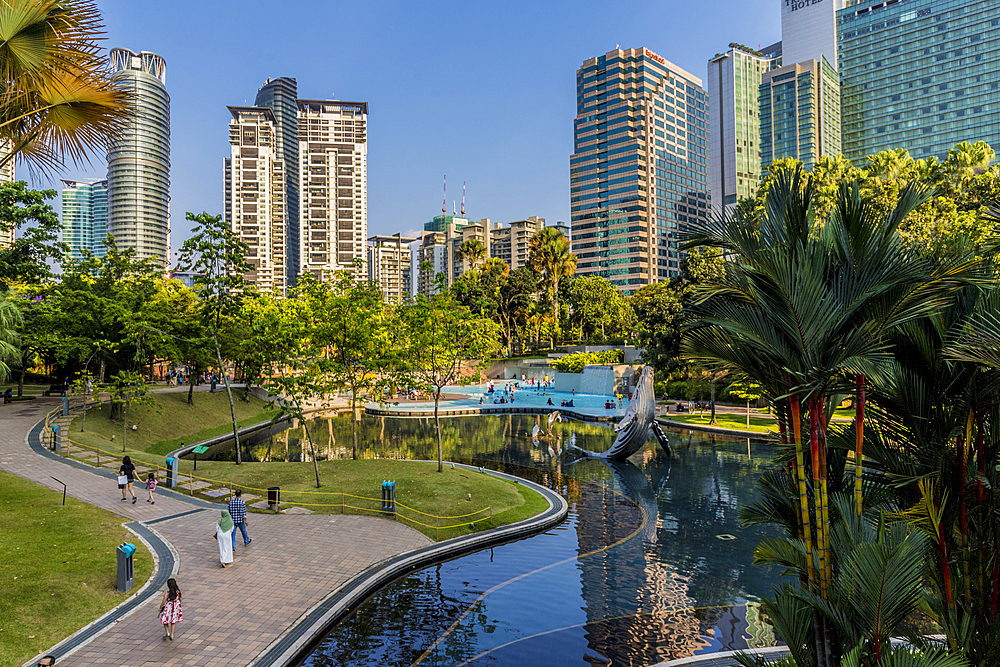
[(224, 536)]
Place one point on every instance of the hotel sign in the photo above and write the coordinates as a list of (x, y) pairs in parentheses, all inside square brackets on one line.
[(793, 5), (658, 58)]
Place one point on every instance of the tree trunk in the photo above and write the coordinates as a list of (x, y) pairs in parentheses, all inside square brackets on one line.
[(354, 428), (20, 378), (232, 407), (859, 442), (312, 450), (748, 408), (191, 386), (713, 403), (437, 429), (803, 493)]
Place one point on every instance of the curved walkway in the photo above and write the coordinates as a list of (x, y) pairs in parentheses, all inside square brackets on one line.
[(232, 614)]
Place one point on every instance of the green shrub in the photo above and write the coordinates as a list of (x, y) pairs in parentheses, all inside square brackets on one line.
[(574, 363)]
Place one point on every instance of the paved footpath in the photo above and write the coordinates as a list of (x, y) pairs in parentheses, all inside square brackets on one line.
[(231, 614)]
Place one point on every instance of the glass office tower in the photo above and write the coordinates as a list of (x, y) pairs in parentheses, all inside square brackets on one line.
[(800, 113), (919, 74), (639, 170), (734, 87), (85, 217), (139, 160)]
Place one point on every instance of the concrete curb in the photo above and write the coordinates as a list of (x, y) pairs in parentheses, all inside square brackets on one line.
[(288, 649), (723, 658)]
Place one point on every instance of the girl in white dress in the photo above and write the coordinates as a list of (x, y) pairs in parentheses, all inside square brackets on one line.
[(224, 536)]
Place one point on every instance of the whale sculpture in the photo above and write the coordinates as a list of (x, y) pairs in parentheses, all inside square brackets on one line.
[(633, 429)]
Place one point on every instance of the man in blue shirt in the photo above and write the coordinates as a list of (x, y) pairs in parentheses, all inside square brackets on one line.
[(238, 510)]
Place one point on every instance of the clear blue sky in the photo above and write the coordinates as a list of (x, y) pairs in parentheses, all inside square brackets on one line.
[(484, 92)]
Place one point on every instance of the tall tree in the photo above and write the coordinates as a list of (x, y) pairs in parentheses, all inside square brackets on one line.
[(218, 258), (26, 260), (472, 250), (444, 344), (549, 254), (10, 336)]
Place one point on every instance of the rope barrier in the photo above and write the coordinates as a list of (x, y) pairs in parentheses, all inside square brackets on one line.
[(214, 482)]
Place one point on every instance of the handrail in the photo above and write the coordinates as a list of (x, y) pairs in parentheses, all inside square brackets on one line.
[(228, 484)]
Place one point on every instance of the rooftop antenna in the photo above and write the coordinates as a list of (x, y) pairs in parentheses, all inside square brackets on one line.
[(453, 207), (463, 199), (444, 199)]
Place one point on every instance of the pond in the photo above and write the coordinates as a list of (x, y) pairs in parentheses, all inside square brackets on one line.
[(650, 565)]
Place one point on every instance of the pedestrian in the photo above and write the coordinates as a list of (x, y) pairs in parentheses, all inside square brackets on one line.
[(150, 487), (170, 609), (126, 477), (224, 536), (46, 661), (238, 510)]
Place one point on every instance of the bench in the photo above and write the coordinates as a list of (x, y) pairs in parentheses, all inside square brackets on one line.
[(60, 389)]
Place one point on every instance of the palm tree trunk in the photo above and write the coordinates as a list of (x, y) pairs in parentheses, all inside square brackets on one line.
[(20, 378), (859, 442), (820, 542), (803, 493)]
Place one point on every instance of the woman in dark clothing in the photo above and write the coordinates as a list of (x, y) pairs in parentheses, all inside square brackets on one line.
[(126, 476)]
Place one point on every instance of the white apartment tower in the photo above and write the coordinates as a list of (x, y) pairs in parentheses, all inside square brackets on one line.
[(333, 187), (255, 194), (389, 265), (6, 176)]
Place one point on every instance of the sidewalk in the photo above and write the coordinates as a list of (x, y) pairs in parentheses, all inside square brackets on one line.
[(232, 614)]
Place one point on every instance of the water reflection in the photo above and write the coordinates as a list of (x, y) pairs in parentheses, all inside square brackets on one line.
[(636, 575)]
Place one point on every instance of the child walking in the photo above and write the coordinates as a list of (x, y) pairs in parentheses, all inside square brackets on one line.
[(170, 609), (150, 487)]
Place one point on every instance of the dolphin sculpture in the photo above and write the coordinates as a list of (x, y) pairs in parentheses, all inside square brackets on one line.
[(633, 429)]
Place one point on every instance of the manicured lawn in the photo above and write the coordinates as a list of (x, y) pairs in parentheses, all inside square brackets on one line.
[(164, 426), (418, 485), (737, 422), (57, 567)]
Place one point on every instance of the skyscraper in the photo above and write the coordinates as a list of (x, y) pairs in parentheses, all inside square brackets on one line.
[(6, 176), (800, 113), (85, 217), (809, 30), (389, 265), (639, 170), (139, 160), (255, 194), (280, 95), (333, 196), (734, 120), (919, 74)]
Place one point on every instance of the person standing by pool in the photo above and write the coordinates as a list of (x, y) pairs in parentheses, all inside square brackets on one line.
[(224, 536), (126, 477)]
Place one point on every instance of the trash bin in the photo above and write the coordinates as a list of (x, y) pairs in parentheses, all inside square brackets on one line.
[(56, 445), (126, 570), (389, 498), (171, 472), (273, 497)]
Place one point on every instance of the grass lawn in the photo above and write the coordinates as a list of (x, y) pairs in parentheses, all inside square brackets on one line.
[(164, 426), (57, 567), (418, 485), (737, 422)]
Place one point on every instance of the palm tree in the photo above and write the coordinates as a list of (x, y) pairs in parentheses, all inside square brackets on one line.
[(10, 336), (549, 254), (965, 161), (805, 311), (472, 250), (58, 100)]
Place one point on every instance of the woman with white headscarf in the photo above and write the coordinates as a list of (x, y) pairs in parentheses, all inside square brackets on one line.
[(224, 536)]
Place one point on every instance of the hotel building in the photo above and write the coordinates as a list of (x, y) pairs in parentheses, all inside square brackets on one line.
[(919, 74), (734, 81), (85, 217), (255, 195), (639, 170), (333, 187), (139, 159)]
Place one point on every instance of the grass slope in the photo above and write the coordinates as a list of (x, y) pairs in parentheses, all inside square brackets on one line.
[(164, 426), (730, 421), (418, 485), (57, 567)]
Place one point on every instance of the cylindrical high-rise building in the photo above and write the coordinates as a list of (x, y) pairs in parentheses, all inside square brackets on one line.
[(139, 162)]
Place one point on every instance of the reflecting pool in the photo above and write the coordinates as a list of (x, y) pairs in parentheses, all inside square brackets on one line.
[(650, 565)]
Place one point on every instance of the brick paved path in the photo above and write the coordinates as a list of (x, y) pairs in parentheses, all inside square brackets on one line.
[(232, 614)]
